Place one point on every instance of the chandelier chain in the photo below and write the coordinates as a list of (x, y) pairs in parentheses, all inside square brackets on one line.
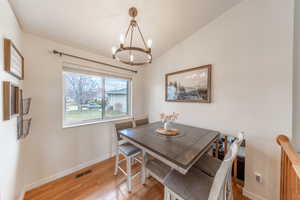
[(138, 27), (132, 30)]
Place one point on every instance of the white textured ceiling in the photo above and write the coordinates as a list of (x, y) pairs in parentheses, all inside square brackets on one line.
[(96, 25)]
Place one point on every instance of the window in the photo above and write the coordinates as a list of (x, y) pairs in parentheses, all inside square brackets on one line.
[(92, 98)]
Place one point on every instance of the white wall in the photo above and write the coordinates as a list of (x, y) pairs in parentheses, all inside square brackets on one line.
[(296, 99), (50, 149), (250, 48), (10, 148)]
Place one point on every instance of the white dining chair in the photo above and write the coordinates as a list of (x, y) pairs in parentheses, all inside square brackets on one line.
[(197, 185), (129, 151)]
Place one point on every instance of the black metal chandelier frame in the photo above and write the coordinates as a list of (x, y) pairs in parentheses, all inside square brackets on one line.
[(129, 35)]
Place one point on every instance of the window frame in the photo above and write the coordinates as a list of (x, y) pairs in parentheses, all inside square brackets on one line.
[(101, 119)]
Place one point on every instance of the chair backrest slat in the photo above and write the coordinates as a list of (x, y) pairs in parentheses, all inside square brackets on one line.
[(121, 126), (140, 122), (221, 188)]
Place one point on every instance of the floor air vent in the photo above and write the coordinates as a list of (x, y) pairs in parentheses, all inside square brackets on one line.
[(83, 173)]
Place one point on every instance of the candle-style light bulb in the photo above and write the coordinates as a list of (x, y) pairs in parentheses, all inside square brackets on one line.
[(131, 58), (122, 39), (113, 49), (149, 43)]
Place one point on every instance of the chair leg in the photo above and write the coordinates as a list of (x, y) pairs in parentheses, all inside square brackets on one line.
[(128, 162), (117, 163), (167, 195)]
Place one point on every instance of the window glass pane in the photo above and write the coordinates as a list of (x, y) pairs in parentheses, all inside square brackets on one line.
[(116, 96), (83, 98)]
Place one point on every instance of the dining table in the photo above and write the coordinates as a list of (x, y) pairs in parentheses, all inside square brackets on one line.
[(180, 151)]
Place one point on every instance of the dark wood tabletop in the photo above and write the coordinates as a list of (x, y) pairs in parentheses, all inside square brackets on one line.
[(182, 150)]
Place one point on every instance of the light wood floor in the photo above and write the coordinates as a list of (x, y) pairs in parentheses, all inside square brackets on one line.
[(101, 184)]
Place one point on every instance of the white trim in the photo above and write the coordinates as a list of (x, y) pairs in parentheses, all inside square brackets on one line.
[(63, 173), (252, 196), (127, 117)]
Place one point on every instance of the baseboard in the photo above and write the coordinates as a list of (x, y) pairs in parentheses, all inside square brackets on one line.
[(252, 196), (62, 174)]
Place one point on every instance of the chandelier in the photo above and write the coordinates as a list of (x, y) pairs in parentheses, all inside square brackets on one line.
[(128, 53)]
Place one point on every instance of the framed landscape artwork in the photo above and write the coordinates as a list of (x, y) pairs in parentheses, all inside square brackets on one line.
[(13, 60), (190, 85)]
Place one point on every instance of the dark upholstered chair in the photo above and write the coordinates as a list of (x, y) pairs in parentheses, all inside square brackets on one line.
[(210, 165)]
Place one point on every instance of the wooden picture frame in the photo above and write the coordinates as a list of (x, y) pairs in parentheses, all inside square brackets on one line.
[(190, 85), (6, 100), (13, 60), (11, 100)]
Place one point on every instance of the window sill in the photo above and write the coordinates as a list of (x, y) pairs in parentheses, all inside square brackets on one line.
[(97, 122)]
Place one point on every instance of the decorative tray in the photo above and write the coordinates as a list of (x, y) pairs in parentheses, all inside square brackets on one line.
[(167, 132)]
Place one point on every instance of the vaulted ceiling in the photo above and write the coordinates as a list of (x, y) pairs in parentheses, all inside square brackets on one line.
[(96, 25)]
